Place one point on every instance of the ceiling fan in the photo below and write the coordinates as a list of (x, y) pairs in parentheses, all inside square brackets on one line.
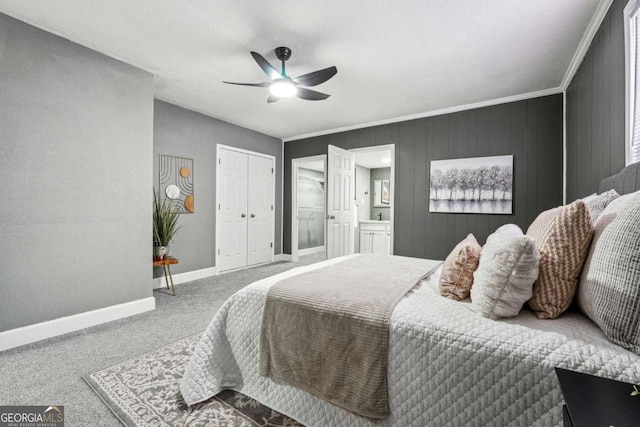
[(283, 86)]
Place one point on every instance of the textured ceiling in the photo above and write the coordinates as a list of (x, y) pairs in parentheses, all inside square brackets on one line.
[(394, 58)]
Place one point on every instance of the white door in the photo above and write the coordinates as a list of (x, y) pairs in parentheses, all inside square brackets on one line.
[(232, 209), (260, 209), (340, 204)]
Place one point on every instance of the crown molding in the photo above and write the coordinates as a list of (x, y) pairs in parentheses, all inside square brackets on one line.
[(491, 102), (585, 43)]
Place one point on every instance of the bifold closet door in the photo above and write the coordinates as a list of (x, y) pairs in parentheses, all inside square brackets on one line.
[(261, 214), (246, 197), (232, 209)]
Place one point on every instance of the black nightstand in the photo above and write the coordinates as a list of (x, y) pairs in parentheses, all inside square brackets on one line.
[(594, 401)]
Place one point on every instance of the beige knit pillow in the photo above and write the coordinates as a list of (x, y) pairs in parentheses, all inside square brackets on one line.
[(456, 278), (597, 202), (562, 235)]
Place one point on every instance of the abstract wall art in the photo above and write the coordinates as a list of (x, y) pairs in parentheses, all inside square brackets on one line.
[(474, 185), (176, 181)]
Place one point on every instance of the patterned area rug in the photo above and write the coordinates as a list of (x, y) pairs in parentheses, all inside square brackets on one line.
[(144, 391)]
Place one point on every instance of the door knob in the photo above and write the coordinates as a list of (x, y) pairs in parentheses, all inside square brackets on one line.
[(253, 215), (243, 215)]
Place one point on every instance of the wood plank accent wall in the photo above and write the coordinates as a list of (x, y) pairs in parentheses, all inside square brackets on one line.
[(531, 130), (596, 108)]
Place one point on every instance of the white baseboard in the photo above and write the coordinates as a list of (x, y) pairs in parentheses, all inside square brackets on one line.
[(40, 331), (159, 282), (282, 257), (309, 251)]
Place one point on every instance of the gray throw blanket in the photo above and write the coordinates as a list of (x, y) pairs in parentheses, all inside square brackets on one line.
[(327, 331)]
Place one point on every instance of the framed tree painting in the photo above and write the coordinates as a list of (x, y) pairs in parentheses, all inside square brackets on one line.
[(474, 185)]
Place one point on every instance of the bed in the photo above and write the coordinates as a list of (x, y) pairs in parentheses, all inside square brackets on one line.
[(446, 365)]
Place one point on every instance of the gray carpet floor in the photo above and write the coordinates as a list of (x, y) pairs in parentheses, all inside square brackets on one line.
[(50, 372)]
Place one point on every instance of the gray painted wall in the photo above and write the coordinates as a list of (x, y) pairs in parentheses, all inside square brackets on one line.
[(531, 130), (75, 165), (596, 109), (379, 173), (184, 133)]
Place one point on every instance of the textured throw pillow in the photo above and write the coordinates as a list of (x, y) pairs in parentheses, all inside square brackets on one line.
[(609, 290), (562, 235), (456, 277), (506, 272), (597, 203)]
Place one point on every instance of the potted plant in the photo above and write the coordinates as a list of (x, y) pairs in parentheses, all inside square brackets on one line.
[(165, 224)]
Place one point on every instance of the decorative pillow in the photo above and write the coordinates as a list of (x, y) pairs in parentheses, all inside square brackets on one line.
[(508, 267), (562, 235), (609, 290), (456, 277), (597, 203)]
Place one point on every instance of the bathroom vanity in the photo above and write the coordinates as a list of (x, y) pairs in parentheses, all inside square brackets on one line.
[(375, 237)]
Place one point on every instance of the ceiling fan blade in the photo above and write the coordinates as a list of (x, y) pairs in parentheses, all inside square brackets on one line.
[(311, 95), (272, 98), (317, 77), (265, 84), (266, 67)]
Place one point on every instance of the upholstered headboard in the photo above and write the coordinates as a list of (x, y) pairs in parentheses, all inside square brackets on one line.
[(625, 181)]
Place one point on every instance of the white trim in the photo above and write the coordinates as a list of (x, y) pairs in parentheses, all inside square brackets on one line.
[(564, 148), (514, 98), (188, 276), (273, 211), (242, 150), (309, 251), (246, 267), (281, 200), (294, 210), (217, 224), (294, 201), (585, 43), (283, 257), (40, 331), (392, 175), (629, 83)]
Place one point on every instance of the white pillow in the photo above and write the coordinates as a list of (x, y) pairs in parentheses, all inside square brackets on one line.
[(508, 268)]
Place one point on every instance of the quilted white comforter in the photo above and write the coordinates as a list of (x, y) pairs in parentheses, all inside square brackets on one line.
[(447, 365)]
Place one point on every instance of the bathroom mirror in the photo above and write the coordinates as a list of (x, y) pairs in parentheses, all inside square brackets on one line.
[(381, 193)]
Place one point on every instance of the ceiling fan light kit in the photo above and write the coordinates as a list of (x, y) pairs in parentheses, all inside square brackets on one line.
[(283, 86)]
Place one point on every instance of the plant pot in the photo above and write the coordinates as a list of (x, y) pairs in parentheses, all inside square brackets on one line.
[(160, 252)]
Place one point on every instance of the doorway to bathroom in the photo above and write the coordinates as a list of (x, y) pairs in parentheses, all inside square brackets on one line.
[(374, 199)]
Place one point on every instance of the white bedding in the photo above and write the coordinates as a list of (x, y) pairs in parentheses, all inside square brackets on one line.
[(447, 364)]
